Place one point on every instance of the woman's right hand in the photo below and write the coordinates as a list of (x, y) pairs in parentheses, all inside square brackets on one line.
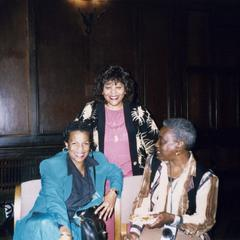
[(65, 233), (161, 219), (105, 210), (131, 236)]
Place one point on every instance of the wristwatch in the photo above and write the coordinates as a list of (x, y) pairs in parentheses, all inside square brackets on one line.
[(114, 190)]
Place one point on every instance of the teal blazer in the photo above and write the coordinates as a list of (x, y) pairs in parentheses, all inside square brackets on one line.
[(56, 188)]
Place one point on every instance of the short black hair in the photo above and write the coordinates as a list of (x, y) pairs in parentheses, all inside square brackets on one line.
[(79, 126), (118, 74)]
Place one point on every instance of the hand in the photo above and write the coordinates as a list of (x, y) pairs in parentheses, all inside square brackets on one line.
[(161, 219), (131, 236), (105, 210), (65, 233)]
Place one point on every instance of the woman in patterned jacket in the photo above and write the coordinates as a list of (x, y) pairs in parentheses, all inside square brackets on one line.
[(178, 196), (118, 120), (123, 130)]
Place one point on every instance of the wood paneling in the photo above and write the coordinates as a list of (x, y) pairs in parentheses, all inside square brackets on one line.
[(62, 61), (14, 78), (155, 60), (199, 86), (227, 94), (183, 55), (198, 38)]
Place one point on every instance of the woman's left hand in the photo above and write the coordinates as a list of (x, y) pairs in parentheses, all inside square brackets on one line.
[(65, 233), (161, 219), (105, 210)]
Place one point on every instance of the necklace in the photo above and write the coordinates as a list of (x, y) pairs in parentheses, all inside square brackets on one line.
[(114, 122), (176, 181), (173, 182), (172, 188)]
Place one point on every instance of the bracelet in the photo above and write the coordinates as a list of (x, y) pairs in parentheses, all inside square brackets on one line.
[(66, 234), (178, 220)]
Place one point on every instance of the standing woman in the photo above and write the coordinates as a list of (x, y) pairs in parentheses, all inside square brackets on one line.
[(123, 130)]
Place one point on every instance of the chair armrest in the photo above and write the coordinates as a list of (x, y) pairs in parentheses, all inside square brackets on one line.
[(117, 216), (17, 203)]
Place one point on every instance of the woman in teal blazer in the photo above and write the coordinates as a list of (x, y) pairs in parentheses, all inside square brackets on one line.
[(68, 186)]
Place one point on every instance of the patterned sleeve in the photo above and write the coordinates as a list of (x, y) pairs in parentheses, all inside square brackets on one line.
[(148, 130), (206, 206), (86, 113), (152, 129)]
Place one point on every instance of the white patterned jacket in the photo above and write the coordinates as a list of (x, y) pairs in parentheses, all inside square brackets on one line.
[(174, 197), (142, 130)]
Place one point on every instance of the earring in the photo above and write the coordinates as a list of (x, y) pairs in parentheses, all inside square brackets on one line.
[(177, 153), (65, 149), (91, 152)]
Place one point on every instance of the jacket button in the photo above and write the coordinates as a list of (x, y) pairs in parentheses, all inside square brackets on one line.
[(135, 163)]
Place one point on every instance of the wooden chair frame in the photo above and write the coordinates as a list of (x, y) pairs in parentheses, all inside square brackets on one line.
[(120, 226), (131, 187), (17, 204)]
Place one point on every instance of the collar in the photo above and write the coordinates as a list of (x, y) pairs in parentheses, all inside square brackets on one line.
[(192, 164), (88, 162)]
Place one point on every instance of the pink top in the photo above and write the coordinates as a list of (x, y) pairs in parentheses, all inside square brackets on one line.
[(116, 144)]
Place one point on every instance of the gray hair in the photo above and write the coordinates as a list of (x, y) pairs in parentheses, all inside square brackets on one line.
[(183, 130)]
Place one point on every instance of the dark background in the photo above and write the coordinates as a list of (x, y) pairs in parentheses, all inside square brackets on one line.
[(184, 55)]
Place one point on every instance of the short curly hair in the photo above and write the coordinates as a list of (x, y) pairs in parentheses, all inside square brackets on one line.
[(118, 74), (79, 126), (183, 130)]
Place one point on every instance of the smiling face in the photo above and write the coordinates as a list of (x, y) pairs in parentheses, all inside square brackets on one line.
[(167, 145), (78, 145), (113, 93)]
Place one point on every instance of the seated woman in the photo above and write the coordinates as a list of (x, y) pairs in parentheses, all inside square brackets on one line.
[(72, 180), (178, 196)]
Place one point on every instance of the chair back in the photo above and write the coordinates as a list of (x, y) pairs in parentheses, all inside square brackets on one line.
[(25, 195), (123, 207)]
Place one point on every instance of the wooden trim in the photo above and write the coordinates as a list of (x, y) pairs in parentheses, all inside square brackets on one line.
[(117, 216), (124, 230), (17, 204)]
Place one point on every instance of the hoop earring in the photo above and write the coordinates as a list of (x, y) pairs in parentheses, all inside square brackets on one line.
[(91, 152), (65, 149)]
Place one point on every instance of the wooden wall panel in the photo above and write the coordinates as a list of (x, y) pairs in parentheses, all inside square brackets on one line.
[(67, 67), (198, 38), (199, 101), (113, 40), (14, 78), (226, 42), (212, 79), (226, 37), (62, 62), (184, 56), (155, 60), (227, 109)]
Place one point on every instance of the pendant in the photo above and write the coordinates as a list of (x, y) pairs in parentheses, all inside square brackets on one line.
[(116, 138)]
